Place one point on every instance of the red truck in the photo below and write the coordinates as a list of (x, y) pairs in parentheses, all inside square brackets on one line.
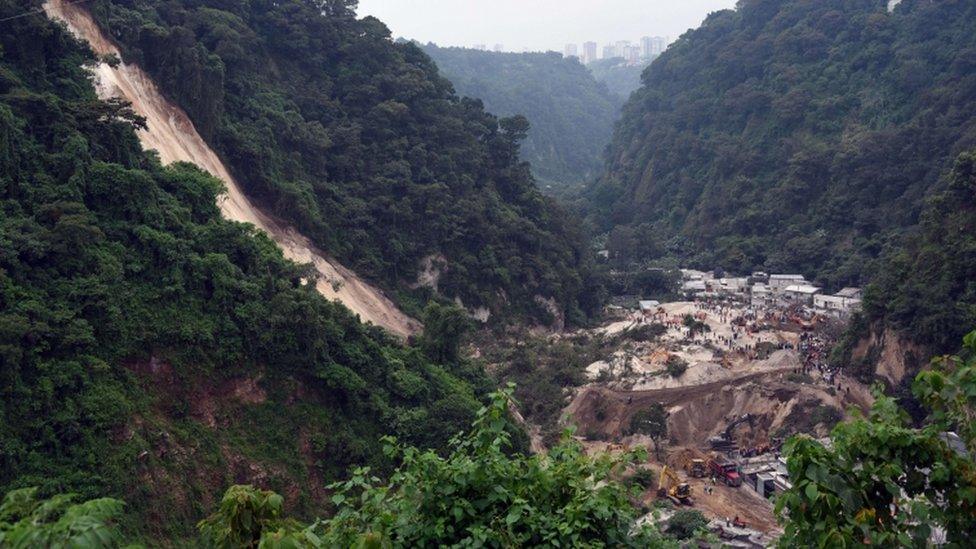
[(725, 471)]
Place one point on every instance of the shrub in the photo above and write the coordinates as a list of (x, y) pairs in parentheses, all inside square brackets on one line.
[(676, 366), (686, 523)]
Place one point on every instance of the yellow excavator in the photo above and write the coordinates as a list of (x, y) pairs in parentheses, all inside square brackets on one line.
[(671, 487)]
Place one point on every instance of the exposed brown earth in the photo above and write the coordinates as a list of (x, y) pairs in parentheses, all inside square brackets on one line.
[(171, 133)]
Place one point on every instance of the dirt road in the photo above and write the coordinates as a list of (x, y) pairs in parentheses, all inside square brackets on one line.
[(171, 133)]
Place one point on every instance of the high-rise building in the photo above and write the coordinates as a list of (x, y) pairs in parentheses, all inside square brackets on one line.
[(632, 54), (480, 47), (647, 47), (609, 51), (499, 47), (571, 51), (589, 52), (620, 49), (659, 44)]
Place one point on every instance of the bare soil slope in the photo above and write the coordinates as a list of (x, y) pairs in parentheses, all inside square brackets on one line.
[(171, 133)]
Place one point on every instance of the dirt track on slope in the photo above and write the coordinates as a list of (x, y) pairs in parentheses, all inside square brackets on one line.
[(171, 133)]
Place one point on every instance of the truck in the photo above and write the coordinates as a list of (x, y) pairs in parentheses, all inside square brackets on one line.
[(725, 470)]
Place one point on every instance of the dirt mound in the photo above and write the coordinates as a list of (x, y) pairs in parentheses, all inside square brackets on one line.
[(699, 412), (171, 133), (607, 412)]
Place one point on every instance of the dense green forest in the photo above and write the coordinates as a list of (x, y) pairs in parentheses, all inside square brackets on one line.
[(154, 352), (794, 135), (925, 287), (570, 114), (361, 144), (621, 78)]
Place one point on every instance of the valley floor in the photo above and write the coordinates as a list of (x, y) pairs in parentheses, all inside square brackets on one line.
[(756, 374)]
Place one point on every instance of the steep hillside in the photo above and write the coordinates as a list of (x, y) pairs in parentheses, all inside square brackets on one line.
[(923, 300), (570, 114), (795, 135), (153, 351), (361, 145), (620, 78), (172, 135)]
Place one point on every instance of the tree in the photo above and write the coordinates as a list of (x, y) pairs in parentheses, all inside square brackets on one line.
[(652, 422), (56, 522), (250, 518), (695, 326), (885, 483), (444, 325), (477, 495), (685, 523), (676, 366)]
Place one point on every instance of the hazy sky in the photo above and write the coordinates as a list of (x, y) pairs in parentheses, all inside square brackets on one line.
[(538, 24)]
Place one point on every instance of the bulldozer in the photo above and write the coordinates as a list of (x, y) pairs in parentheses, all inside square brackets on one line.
[(671, 487)]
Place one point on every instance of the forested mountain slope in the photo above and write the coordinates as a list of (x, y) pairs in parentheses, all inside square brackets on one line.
[(925, 290), (570, 114), (360, 144), (153, 351), (795, 135), (620, 78)]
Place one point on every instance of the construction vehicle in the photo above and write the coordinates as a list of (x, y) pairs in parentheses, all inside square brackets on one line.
[(725, 471), (724, 442), (696, 468), (671, 487)]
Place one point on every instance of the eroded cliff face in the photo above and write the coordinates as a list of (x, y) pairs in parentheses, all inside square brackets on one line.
[(894, 356), (171, 133)]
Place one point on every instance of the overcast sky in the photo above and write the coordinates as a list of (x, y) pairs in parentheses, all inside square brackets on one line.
[(538, 24)]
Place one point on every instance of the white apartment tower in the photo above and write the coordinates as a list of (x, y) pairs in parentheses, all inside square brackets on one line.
[(589, 52)]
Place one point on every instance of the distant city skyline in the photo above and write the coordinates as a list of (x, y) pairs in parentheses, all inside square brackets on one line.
[(540, 25)]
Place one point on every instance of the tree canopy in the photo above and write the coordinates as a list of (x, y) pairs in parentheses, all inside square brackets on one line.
[(153, 352), (795, 136), (620, 77), (570, 113), (358, 142)]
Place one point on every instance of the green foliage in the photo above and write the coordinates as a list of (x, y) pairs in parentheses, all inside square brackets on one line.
[(130, 314), (57, 523), (794, 135), (926, 287), (621, 78), (543, 368), (444, 325), (676, 366), (885, 483), (686, 523), (358, 142), (695, 326), (249, 518), (644, 477), (481, 495), (652, 422), (571, 114)]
